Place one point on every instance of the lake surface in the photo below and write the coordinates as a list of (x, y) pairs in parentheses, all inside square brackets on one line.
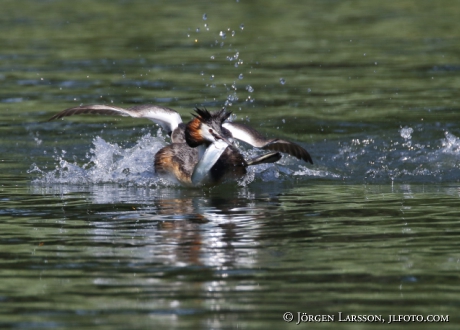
[(90, 238)]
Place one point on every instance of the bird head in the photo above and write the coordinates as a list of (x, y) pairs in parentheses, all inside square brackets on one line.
[(206, 127)]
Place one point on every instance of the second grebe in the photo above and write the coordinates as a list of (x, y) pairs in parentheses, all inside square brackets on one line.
[(202, 151)]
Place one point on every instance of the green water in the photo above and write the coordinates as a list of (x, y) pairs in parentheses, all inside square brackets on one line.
[(369, 88)]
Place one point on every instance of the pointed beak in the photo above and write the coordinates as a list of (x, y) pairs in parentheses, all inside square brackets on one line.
[(219, 137)]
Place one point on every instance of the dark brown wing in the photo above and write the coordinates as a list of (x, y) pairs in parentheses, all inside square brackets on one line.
[(289, 148), (254, 138)]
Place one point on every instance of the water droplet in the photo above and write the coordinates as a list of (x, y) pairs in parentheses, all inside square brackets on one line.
[(197, 29), (212, 57), (240, 76), (284, 121), (222, 34), (249, 88), (406, 132), (242, 26), (282, 81), (232, 97), (233, 33), (308, 90), (212, 77), (205, 17)]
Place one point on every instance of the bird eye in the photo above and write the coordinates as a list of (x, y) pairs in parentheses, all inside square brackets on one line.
[(210, 131)]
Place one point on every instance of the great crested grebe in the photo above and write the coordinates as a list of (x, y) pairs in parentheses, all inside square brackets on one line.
[(202, 151)]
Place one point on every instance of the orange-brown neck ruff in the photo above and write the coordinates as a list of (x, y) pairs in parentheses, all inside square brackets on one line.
[(193, 134)]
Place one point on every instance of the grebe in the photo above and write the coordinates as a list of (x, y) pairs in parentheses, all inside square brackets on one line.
[(202, 151)]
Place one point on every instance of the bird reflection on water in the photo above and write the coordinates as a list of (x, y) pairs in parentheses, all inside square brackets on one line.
[(176, 227)]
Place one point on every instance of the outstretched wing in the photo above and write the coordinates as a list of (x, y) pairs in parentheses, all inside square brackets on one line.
[(167, 118), (254, 138)]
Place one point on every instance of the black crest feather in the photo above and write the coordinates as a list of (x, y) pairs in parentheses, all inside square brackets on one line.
[(205, 115)]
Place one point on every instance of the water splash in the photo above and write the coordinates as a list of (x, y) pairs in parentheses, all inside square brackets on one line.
[(133, 166), (450, 145), (406, 155), (406, 133), (401, 159), (108, 163)]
